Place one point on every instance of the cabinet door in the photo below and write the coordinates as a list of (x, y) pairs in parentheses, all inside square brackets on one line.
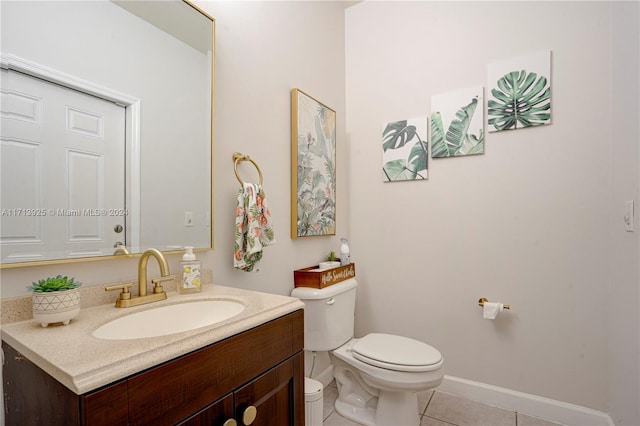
[(275, 398), (32, 397), (217, 414), (171, 392), (106, 406)]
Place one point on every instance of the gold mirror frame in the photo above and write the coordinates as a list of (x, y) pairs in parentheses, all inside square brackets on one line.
[(124, 253)]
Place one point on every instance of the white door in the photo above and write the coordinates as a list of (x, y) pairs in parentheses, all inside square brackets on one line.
[(62, 171)]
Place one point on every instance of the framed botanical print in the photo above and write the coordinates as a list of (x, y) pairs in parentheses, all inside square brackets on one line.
[(313, 167)]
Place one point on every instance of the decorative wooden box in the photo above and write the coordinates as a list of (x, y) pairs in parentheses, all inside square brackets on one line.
[(315, 278)]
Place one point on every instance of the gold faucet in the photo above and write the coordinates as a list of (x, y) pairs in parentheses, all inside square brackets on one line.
[(121, 250), (125, 300)]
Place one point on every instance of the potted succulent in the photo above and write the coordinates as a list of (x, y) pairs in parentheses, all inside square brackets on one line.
[(331, 261), (55, 299)]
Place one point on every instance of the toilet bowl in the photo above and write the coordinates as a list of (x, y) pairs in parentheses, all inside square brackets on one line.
[(379, 375)]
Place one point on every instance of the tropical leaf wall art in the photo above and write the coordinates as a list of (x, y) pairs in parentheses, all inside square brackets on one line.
[(404, 150), (313, 187), (520, 92), (457, 123)]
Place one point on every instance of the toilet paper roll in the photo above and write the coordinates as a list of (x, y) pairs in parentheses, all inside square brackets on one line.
[(490, 310)]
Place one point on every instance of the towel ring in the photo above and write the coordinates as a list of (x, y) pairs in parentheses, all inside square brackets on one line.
[(237, 157)]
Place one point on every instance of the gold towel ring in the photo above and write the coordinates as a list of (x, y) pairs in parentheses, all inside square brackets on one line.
[(237, 157)]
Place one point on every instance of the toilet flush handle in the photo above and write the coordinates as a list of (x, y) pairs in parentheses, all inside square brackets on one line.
[(331, 301)]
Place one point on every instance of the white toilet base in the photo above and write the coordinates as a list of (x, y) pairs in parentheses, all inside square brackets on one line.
[(397, 408), (362, 415), (394, 408), (363, 404)]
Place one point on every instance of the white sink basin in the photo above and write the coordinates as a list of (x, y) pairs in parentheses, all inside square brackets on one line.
[(169, 319)]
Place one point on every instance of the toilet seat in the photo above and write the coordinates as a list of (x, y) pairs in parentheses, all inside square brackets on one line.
[(396, 353)]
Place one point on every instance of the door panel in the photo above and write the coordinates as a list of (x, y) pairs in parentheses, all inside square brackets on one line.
[(70, 196), (273, 396)]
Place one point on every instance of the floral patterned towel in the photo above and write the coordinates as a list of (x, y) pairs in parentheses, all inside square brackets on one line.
[(253, 227)]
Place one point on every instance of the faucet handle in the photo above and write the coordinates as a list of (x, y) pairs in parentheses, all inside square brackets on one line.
[(157, 283), (125, 294)]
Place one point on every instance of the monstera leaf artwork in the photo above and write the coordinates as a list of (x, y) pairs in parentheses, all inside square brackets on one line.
[(404, 151), (521, 96), (521, 99), (457, 124)]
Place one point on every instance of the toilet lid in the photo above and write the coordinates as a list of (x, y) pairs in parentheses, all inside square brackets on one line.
[(396, 353)]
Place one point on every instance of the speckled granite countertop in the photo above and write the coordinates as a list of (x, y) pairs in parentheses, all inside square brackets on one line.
[(83, 363)]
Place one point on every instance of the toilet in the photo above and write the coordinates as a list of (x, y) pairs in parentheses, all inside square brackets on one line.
[(379, 375)]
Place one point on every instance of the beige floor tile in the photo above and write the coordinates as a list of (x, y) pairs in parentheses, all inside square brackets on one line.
[(423, 400), (336, 419), (329, 396), (463, 412), (524, 420), (428, 421)]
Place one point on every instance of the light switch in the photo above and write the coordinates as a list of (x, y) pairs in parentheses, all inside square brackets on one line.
[(188, 218), (629, 216)]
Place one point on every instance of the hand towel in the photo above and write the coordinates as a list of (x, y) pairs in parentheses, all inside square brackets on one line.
[(254, 229)]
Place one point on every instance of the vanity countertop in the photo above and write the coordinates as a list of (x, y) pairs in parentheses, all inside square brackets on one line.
[(83, 363)]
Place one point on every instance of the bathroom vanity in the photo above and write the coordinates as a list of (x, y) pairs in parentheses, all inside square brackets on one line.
[(250, 372)]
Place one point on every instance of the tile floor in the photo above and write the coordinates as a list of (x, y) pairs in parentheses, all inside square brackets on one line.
[(441, 409)]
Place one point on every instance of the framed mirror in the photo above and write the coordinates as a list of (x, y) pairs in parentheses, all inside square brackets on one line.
[(107, 129)]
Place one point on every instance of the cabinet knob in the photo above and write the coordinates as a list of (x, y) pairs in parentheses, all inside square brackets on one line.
[(230, 422), (249, 415)]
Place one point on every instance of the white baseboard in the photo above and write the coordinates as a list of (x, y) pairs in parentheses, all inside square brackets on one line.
[(532, 405)]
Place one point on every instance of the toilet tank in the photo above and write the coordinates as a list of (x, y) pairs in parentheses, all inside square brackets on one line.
[(328, 314)]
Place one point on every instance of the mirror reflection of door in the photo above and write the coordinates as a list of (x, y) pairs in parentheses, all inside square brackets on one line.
[(62, 183)]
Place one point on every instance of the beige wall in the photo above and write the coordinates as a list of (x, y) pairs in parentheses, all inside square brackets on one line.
[(534, 222), (108, 47), (530, 223), (263, 50), (623, 334)]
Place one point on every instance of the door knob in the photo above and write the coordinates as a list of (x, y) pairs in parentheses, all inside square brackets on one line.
[(230, 422), (249, 415)]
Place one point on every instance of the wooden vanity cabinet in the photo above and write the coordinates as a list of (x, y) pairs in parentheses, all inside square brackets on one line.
[(215, 414), (271, 395), (262, 368)]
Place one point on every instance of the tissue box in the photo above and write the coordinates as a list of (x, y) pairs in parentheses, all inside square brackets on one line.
[(316, 278)]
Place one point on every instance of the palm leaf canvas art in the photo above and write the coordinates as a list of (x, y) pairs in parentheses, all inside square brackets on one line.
[(520, 92), (456, 122), (404, 150)]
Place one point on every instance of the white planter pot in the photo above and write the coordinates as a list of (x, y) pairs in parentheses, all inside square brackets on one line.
[(56, 306)]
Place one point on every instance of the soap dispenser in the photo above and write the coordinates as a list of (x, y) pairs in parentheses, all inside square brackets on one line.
[(191, 272)]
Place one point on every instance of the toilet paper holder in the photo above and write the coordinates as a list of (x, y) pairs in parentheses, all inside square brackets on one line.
[(484, 299)]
